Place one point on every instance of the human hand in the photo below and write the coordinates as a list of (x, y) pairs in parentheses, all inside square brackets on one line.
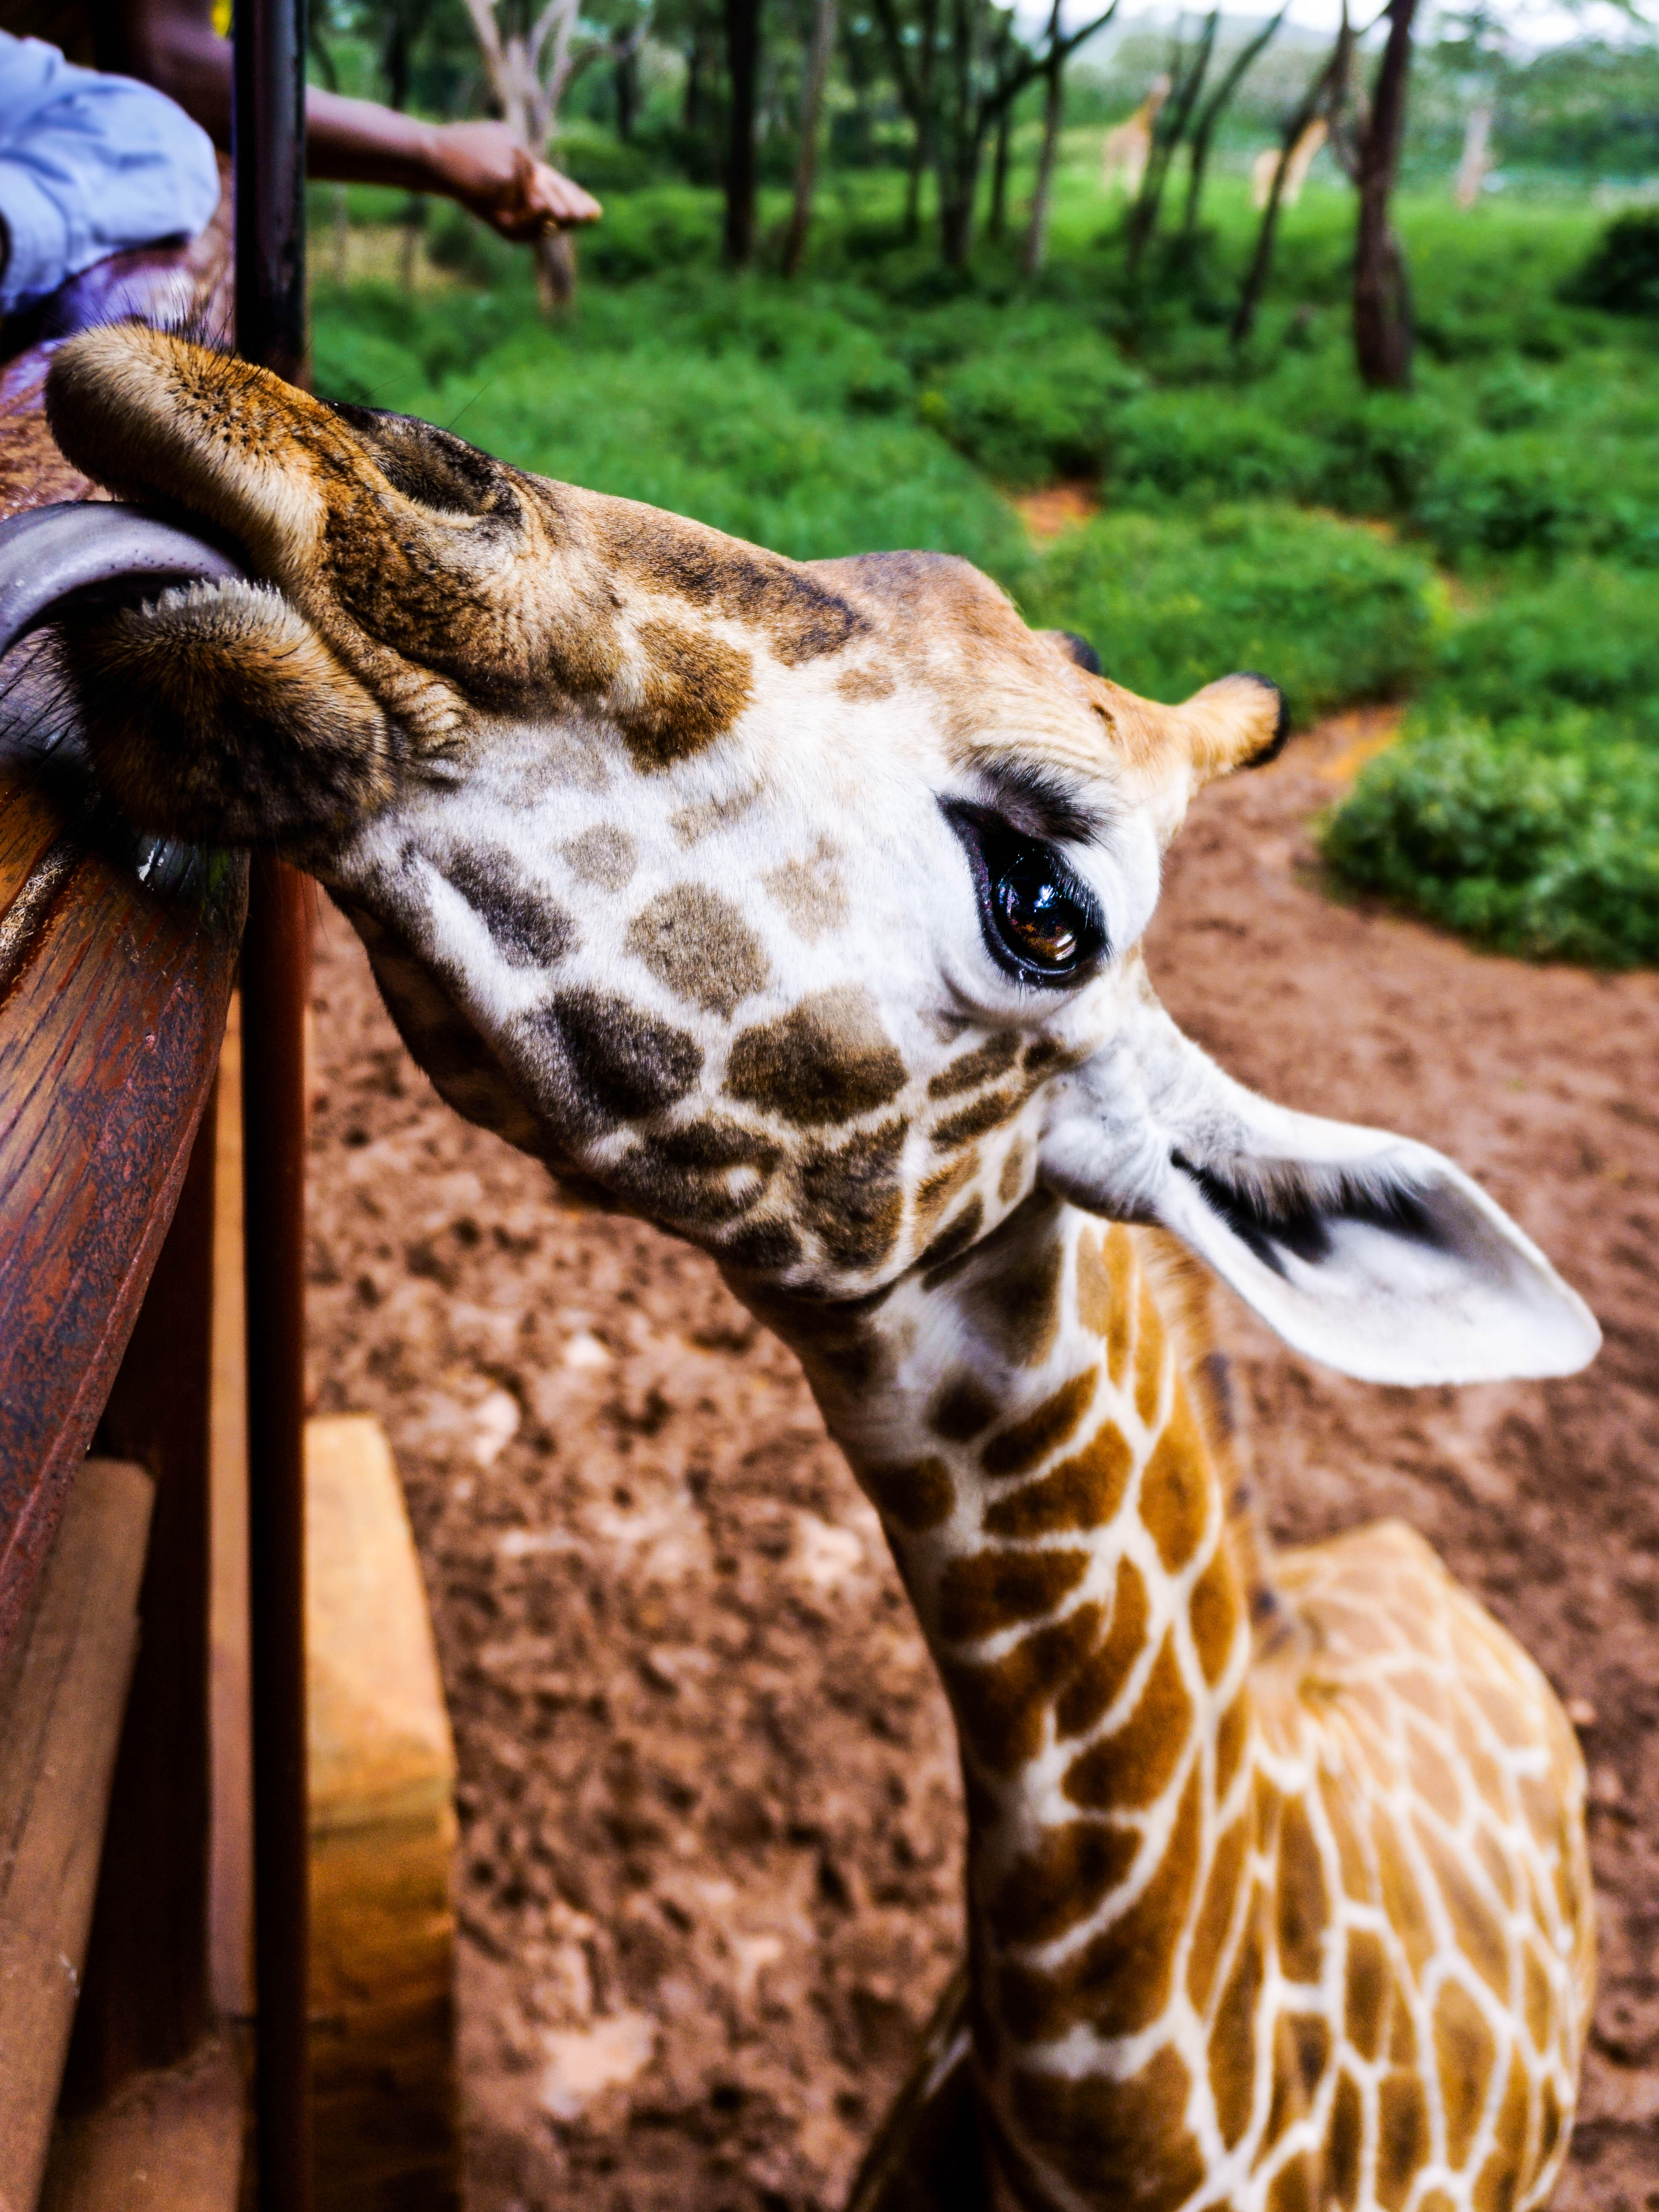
[(483, 166)]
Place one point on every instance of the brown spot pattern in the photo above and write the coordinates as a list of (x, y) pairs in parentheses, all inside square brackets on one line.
[(973, 1122), (938, 1188), (698, 945), (1465, 2053), (1132, 2130), (692, 688), (1216, 1612), (1062, 1881), (954, 1238), (1149, 1354), (1303, 1906), (964, 1409), (851, 1195), (1133, 1765), (1118, 1983), (970, 1069), (1215, 1913), (1233, 2039), (1105, 1293), (811, 892), (1403, 2137), (1019, 1302), (1345, 2144), (826, 1060), (603, 856), (996, 1590), (1175, 1490), (1000, 1708), (917, 1497), (1098, 1683), (1302, 2051), (626, 1063), (1027, 1442), (1082, 1492)]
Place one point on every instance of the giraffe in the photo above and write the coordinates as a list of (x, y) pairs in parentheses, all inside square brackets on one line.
[(1128, 147), (1296, 163), (797, 909)]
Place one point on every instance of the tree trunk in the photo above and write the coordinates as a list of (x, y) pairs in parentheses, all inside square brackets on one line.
[(556, 271), (997, 226), (819, 57), (959, 145), (1168, 128), (1324, 96), (1381, 298), (1204, 129), (627, 77), (742, 70), (1053, 102)]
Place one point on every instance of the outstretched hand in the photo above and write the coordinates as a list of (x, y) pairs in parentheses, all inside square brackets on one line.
[(484, 167)]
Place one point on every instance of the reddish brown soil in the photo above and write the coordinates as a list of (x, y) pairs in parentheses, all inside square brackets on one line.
[(708, 1882)]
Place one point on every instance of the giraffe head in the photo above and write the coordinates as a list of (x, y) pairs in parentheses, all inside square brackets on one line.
[(796, 906)]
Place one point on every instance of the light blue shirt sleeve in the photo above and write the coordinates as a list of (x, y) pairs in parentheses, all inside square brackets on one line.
[(89, 164)]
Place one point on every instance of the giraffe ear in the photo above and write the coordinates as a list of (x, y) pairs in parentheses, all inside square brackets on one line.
[(1369, 1252)]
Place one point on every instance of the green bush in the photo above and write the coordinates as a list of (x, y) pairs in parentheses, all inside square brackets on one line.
[(1329, 610), (1541, 493), (1537, 839), (1588, 639), (1622, 274), (1029, 413)]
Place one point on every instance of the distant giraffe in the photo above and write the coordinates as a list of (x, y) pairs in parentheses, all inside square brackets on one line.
[(797, 909), (1128, 148), (1298, 162)]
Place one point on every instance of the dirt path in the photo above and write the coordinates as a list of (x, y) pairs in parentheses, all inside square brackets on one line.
[(709, 1876)]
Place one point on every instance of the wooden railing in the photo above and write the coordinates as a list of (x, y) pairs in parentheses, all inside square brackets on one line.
[(117, 958)]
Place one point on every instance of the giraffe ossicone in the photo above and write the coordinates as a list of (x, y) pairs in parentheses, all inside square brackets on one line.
[(797, 908)]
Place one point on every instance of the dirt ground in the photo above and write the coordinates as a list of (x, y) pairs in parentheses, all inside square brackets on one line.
[(710, 1877)]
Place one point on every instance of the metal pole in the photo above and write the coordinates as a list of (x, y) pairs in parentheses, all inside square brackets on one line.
[(268, 142)]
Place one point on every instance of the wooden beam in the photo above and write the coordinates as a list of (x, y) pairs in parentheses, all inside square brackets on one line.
[(63, 1695), (382, 1839), (168, 2142)]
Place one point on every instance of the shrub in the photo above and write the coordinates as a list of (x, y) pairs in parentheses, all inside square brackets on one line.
[(1540, 839), (1590, 638), (1622, 274), (1211, 445), (1028, 413), (1329, 610), (1540, 493)]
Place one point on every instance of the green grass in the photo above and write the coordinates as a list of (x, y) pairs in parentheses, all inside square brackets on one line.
[(880, 402)]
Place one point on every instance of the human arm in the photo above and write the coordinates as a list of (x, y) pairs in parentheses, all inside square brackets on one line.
[(172, 44)]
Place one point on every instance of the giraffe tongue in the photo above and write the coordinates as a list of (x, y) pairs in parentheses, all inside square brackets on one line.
[(94, 549)]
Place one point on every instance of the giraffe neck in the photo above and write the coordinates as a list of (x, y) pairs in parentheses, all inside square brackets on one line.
[(1034, 1425)]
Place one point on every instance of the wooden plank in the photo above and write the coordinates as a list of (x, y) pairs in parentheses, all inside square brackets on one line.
[(145, 1999), (382, 1840), (116, 957), (171, 2142), (62, 1696)]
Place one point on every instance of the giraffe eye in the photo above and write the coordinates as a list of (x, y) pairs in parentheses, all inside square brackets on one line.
[(1040, 922), (1035, 918)]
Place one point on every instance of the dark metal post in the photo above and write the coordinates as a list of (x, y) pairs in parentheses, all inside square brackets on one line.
[(268, 137)]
